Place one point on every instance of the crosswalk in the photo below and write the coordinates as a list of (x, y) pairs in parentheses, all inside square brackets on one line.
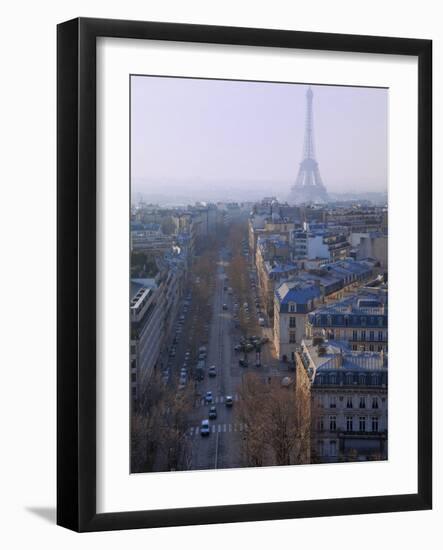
[(218, 399), (194, 431)]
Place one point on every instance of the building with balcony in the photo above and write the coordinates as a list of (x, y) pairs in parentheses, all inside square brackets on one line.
[(361, 320), (147, 323), (149, 238), (348, 402), (319, 244)]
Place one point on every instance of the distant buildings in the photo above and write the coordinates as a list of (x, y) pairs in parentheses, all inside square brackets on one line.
[(319, 242), (371, 245)]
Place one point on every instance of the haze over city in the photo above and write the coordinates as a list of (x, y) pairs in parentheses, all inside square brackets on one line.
[(218, 140)]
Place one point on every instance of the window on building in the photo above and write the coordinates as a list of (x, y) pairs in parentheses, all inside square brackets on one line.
[(292, 308), (363, 335), (349, 378), (374, 379), (374, 424), (362, 379), (354, 347), (292, 322), (292, 337), (371, 335), (349, 402), (379, 348), (354, 335), (380, 335), (133, 377), (332, 423), (332, 402), (321, 423), (371, 347), (362, 423), (333, 379), (333, 448), (321, 447), (349, 423), (375, 403), (362, 402)]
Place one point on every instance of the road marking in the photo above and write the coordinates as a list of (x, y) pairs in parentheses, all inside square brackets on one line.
[(240, 428), (219, 428), (213, 428), (224, 427), (191, 430), (230, 427), (196, 431)]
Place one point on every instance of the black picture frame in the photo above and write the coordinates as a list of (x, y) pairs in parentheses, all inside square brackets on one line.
[(76, 278)]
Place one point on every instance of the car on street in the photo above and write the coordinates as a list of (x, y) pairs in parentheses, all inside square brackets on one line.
[(208, 397), (172, 352), (204, 428), (212, 371), (242, 363), (238, 347), (261, 321), (229, 401), (212, 413), (225, 307)]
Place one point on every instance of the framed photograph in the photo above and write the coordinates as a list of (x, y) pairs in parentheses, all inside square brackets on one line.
[(244, 274)]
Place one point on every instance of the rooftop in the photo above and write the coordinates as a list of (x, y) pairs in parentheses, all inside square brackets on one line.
[(297, 291), (327, 357)]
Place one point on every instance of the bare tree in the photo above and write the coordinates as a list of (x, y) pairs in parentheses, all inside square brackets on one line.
[(158, 428), (277, 424)]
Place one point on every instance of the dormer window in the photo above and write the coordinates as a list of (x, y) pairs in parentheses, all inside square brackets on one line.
[(292, 308)]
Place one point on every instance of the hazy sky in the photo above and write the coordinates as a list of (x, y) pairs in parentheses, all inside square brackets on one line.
[(222, 138)]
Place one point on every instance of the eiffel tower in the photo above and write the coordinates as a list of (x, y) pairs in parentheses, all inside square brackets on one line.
[(309, 187)]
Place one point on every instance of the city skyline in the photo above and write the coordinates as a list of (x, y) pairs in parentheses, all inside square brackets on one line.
[(246, 138)]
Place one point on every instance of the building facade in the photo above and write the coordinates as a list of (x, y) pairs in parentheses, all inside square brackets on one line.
[(147, 330), (348, 402), (293, 300), (361, 320)]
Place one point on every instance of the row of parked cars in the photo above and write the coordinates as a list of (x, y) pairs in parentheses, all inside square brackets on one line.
[(166, 374)]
